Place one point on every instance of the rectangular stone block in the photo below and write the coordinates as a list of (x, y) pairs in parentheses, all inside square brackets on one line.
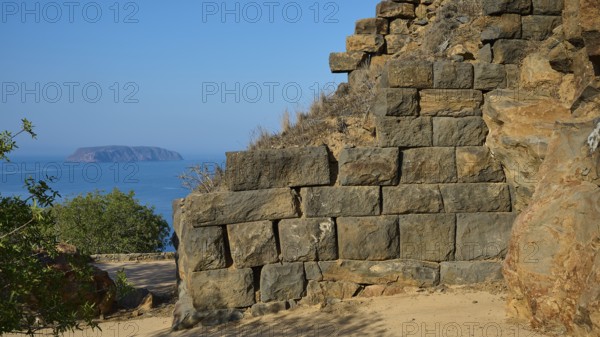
[(394, 43), (475, 164), (412, 198), (390, 9), (470, 272), (428, 165), (539, 27), (340, 201), (222, 288), (281, 282), (452, 75), (372, 26), (404, 272), (369, 43), (368, 166), (463, 131), (451, 102), (223, 208), (368, 238), (307, 239), (428, 237), (346, 62), (312, 271), (396, 102), (399, 26), (473, 198), (547, 7), (252, 244), (321, 292), (410, 74), (510, 51), (481, 236), (275, 168), (404, 131), (507, 26), (489, 76), (496, 7), (201, 248)]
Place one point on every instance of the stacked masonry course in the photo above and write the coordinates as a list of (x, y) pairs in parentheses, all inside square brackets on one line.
[(428, 205)]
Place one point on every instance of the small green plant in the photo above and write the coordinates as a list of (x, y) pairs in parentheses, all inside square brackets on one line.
[(124, 287)]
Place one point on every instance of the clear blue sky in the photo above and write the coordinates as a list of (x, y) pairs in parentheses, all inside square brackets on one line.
[(171, 61)]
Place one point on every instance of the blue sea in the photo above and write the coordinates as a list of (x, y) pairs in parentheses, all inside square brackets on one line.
[(154, 183)]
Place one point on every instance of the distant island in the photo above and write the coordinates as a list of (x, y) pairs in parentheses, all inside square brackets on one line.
[(110, 154)]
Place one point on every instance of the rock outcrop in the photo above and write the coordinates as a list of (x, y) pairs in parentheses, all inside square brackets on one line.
[(110, 154)]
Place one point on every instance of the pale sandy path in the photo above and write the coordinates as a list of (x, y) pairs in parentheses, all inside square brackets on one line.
[(156, 276)]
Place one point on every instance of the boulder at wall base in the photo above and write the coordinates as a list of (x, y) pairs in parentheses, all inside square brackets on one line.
[(553, 265)]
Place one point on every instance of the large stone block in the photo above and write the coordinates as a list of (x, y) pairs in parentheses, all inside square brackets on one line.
[(539, 27), (452, 75), (282, 282), (222, 288), (510, 51), (463, 131), (340, 201), (489, 76), (396, 42), (252, 244), (412, 198), (396, 102), (507, 26), (428, 237), (470, 272), (472, 198), (368, 238), (372, 26), (413, 74), (346, 62), (475, 164), (495, 7), (481, 236), (222, 208), (202, 248), (369, 43), (391, 9), (307, 239), (404, 272), (451, 102), (404, 131), (320, 292), (273, 168), (399, 26), (547, 7), (368, 166), (428, 165)]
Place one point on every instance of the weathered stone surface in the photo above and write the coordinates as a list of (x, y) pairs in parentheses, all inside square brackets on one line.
[(428, 165), (489, 76), (475, 164), (399, 26), (252, 244), (222, 288), (539, 27), (340, 201), (395, 42), (452, 75), (201, 248), (404, 131), (414, 74), (481, 236), (370, 43), (368, 166), (391, 9), (571, 20), (308, 239), (376, 290), (463, 131), (282, 282), (412, 198), (472, 198), (590, 30), (510, 51), (484, 55), (346, 62), (320, 292), (368, 238), (428, 237), (222, 208), (261, 309), (547, 7), (507, 26), (470, 272), (379, 60), (491, 7), (405, 272), (396, 102), (313, 271), (450, 102), (273, 168), (372, 26)]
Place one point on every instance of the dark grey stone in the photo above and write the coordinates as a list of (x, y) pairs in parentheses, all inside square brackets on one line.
[(368, 166), (261, 309), (470, 272), (307, 239), (282, 282), (452, 75), (340, 201), (507, 26), (222, 288), (510, 51), (428, 237), (252, 244), (412, 198), (396, 102), (547, 7), (463, 131), (404, 131), (473, 198), (489, 76), (481, 236), (428, 165), (368, 238), (539, 27), (495, 7)]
